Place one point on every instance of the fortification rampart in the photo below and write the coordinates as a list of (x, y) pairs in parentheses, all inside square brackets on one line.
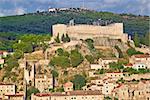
[(81, 31)]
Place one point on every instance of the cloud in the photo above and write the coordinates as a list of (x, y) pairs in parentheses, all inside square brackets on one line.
[(13, 7), (15, 11), (20, 11)]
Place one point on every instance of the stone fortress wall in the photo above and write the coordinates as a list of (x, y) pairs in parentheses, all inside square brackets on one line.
[(83, 31)]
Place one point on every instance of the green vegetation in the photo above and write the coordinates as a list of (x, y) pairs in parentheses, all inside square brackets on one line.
[(62, 61), (131, 51), (116, 66), (101, 71), (66, 59), (90, 58), (79, 81), (119, 51), (30, 91), (42, 22), (57, 40), (76, 58), (55, 73), (145, 39), (107, 98), (134, 71), (136, 40), (121, 80), (65, 38), (96, 54)]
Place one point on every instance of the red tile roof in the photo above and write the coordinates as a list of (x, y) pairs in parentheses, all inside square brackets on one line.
[(129, 64), (6, 84), (81, 92), (68, 84), (43, 94), (15, 95), (141, 56)]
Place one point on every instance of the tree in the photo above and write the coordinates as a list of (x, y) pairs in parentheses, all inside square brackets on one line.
[(23, 46), (101, 71), (61, 61), (90, 58), (67, 38), (60, 51), (57, 39), (18, 54), (119, 51), (55, 73), (116, 66), (76, 58), (90, 43), (63, 38), (132, 51), (136, 40), (79, 81), (11, 63), (30, 91)]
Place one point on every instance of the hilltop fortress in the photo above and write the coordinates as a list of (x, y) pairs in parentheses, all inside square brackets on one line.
[(96, 32)]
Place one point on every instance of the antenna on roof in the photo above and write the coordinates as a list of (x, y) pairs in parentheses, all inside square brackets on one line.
[(83, 4)]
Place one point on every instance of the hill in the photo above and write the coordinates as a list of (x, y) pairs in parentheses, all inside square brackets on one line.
[(41, 22)]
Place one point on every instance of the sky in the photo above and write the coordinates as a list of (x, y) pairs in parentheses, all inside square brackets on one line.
[(18, 7)]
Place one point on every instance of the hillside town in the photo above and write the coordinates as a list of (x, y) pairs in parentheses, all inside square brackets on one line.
[(79, 62)]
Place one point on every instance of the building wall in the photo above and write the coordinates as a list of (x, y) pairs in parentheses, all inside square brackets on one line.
[(113, 31), (6, 89), (72, 97), (16, 98), (43, 83)]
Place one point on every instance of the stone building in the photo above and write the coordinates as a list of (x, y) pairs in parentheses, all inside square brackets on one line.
[(6, 89), (104, 62), (15, 96), (68, 86), (72, 95), (133, 91), (43, 82), (82, 31), (141, 60)]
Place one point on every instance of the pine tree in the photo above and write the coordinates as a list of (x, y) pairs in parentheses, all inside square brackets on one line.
[(57, 39), (63, 38), (67, 39), (136, 40)]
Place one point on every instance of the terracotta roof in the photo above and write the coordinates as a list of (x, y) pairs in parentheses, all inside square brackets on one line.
[(115, 72), (129, 64), (14, 95), (81, 92), (6, 84), (1, 51), (141, 56), (78, 92), (68, 84), (109, 58), (43, 94)]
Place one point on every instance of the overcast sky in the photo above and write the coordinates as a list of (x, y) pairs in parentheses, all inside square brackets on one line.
[(17, 7)]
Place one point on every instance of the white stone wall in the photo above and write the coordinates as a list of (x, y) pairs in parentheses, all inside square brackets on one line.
[(81, 31)]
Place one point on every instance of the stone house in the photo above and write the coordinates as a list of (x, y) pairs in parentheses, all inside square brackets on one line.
[(43, 82), (68, 86), (6, 89), (104, 62), (141, 58), (15, 96), (71, 95)]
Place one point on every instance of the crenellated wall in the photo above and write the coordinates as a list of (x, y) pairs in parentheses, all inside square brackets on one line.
[(81, 31)]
